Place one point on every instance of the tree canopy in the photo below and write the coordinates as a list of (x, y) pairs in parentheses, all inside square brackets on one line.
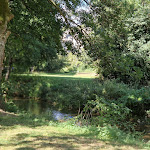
[(115, 34), (119, 39)]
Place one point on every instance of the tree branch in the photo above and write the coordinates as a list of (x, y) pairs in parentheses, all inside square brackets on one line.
[(67, 20)]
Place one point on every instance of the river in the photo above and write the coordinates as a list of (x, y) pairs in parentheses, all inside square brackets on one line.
[(36, 107)]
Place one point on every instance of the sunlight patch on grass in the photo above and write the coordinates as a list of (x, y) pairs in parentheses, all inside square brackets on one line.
[(77, 75), (50, 137), (22, 132)]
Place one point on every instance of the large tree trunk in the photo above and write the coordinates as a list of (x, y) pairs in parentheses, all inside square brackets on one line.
[(3, 37), (5, 17)]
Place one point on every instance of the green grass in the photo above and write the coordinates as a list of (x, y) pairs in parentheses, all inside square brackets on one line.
[(63, 75), (26, 132)]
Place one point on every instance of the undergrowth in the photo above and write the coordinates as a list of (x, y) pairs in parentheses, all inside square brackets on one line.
[(100, 103), (74, 93)]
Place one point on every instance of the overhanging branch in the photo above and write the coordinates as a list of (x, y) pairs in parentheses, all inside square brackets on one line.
[(68, 21)]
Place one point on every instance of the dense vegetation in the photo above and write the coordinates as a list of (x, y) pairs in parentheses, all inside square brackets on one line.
[(109, 101), (111, 38)]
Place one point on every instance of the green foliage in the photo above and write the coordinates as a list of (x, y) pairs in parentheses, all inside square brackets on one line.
[(69, 63), (78, 63), (11, 107), (108, 113), (53, 65), (36, 35), (74, 93), (139, 42), (115, 34), (137, 100), (119, 39), (115, 103), (106, 132)]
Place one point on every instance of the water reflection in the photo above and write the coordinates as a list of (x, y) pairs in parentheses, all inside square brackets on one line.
[(39, 107), (57, 115)]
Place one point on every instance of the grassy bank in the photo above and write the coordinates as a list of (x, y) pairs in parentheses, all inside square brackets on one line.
[(66, 91), (119, 108), (73, 91), (28, 132)]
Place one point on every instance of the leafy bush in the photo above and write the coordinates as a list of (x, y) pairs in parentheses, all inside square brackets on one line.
[(107, 112), (74, 94), (136, 99), (11, 107)]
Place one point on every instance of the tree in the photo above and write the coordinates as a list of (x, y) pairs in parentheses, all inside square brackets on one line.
[(114, 32), (36, 36), (108, 35), (5, 17), (33, 13), (138, 26), (62, 10)]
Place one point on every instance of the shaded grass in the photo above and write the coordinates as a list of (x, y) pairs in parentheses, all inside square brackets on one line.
[(26, 132)]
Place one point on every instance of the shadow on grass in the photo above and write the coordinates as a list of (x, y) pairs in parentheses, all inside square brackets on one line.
[(25, 148), (35, 139), (7, 122), (61, 141)]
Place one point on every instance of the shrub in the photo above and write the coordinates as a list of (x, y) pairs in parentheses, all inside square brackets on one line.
[(70, 93), (10, 107)]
